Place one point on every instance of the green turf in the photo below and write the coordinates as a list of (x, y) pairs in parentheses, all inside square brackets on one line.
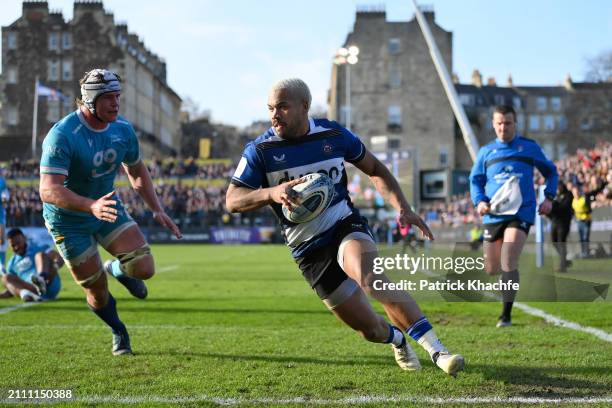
[(240, 322)]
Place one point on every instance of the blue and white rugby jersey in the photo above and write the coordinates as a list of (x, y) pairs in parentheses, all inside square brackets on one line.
[(270, 160), (498, 161)]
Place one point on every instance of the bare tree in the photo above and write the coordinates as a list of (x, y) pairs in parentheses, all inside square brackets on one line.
[(599, 68)]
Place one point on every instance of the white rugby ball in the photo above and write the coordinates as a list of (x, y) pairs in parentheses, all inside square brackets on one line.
[(314, 195)]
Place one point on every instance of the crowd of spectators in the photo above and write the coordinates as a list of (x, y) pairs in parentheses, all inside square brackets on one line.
[(189, 168), (590, 170), (194, 205)]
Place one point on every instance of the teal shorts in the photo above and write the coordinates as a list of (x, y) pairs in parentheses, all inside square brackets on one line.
[(77, 238)]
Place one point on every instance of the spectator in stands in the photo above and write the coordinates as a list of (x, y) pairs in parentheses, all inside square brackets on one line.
[(581, 203), (561, 218)]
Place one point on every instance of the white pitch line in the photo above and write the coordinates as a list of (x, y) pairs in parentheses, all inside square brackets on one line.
[(9, 309), (557, 321), (360, 399), (167, 268)]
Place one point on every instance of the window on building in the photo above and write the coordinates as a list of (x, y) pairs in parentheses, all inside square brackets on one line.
[(395, 78), (66, 41), (561, 149), (52, 70), (534, 122), (443, 156), (586, 124), (12, 116), (562, 122), (54, 41), (67, 102), (516, 102), (499, 99), (67, 70), (549, 149), (394, 118), (394, 143), (555, 103), (541, 103), (467, 99), (520, 122), (394, 46), (53, 107), (11, 75), (12, 40), (549, 123)]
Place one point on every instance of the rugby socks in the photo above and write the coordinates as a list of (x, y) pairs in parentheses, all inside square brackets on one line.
[(117, 272), (508, 296), (109, 315), (396, 337), (422, 332), (116, 269)]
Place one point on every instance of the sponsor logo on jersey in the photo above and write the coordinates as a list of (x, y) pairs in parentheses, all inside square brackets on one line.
[(280, 158), (24, 264), (327, 148), (333, 171)]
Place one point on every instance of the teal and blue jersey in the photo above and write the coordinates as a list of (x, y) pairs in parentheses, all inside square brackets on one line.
[(271, 160), (23, 266), (498, 161), (3, 193), (89, 158)]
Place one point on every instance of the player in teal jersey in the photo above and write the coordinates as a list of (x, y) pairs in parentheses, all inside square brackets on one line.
[(32, 270), (81, 156)]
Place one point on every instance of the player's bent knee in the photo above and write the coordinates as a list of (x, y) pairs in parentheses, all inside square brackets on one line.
[(137, 263)]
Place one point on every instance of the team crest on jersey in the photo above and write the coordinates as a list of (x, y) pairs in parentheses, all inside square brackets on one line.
[(327, 148), (520, 148), (508, 169)]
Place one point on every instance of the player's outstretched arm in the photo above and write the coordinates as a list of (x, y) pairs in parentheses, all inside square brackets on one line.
[(141, 182), (52, 191), (241, 199), (390, 190)]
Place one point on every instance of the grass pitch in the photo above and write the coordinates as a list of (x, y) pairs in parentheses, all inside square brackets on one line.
[(238, 324)]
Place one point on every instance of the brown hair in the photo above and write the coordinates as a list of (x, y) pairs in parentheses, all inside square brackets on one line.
[(505, 109)]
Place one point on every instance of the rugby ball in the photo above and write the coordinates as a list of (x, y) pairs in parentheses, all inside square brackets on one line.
[(313, 195)]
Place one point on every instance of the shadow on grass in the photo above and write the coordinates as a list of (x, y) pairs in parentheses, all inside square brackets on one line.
[(371, 360), (550, 382), (150, 307)]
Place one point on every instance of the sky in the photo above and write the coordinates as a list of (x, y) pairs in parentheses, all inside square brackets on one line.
[(225, 55)]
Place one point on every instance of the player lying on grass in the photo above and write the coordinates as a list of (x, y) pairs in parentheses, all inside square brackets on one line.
[(81, 156), (336, 250), (32, 270)]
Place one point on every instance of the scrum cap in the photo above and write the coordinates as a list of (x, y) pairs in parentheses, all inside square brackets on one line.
[(97, 82)]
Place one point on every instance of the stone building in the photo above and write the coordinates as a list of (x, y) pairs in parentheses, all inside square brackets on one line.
[(560, 118), (42, 44), (397, 103)]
